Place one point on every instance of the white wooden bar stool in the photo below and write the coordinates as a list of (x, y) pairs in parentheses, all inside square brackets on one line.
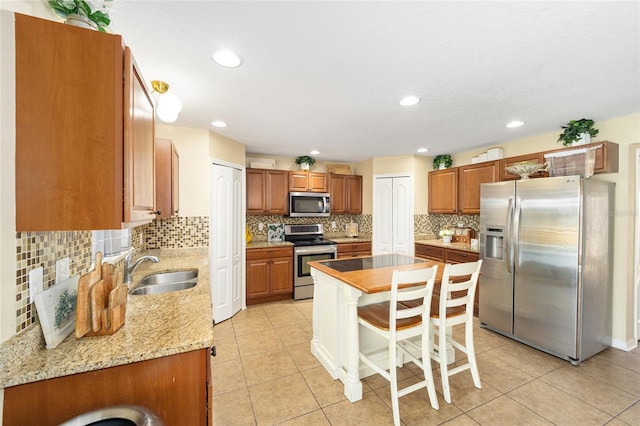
[(397, 323), (453, 307)]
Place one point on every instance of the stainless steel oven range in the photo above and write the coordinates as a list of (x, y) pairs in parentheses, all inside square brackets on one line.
[(308, 245)]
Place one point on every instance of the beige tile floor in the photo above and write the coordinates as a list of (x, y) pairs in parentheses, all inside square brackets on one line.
[(264, 374)]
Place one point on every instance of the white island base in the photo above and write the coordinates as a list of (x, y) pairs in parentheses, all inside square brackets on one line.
[(337, 338)]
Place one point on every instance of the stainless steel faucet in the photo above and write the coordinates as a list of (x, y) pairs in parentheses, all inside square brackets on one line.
[(129, 268)]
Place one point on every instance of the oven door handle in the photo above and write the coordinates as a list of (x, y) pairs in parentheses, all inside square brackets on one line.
[(332, 248)]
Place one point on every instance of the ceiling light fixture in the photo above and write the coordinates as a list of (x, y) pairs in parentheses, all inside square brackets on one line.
[(314, 152), (218, 123), (422, 150), (168, 104), (514, 124), (227, 58), (409, 100)]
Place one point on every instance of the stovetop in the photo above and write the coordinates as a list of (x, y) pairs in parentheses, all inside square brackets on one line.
[(311, 242), (305, 235)]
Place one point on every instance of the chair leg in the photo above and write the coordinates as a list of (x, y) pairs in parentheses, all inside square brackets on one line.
[(427, 348), (471, 354), (444, 371), (393, 375)]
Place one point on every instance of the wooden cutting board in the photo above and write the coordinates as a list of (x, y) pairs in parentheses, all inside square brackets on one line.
[(83, 304), (117, 305), (107, 277), (97, 305)]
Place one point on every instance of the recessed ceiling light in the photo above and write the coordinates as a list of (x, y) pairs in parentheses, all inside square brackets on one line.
[(218, 123), (409, 100), (515, 124), (227, 58), (314, 152), (421, 150)]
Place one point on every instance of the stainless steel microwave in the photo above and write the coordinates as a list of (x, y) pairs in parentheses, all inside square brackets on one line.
[(309, 204)]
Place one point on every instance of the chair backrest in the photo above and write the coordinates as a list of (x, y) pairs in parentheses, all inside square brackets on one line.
[(458, 288), (414, 285)]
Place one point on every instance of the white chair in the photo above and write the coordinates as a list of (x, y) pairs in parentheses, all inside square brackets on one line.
[(397, 323), (453, 307)]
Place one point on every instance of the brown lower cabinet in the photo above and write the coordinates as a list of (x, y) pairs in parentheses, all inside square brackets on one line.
[(269, 274), (176, 387), (362, 248), (448, 255)]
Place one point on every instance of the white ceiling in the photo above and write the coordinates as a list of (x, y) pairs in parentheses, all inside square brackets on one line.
[(329, 75)]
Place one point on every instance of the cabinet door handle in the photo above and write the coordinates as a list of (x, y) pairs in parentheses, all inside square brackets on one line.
[(158, 212)]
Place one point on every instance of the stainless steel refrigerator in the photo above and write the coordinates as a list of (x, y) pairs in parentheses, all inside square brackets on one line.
[(547, 250)]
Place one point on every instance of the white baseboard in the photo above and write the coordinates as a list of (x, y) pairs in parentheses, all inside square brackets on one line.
[(627, 346)]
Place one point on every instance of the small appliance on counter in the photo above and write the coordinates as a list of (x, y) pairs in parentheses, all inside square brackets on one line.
[(351, 229), (463, 235)]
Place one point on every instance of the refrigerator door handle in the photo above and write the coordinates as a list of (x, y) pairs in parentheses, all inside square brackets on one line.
[(515, 233), (508, 232)]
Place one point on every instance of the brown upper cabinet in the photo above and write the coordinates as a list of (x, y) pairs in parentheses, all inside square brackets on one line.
[(167, 178), (607, 156), (443, 191), (346, 194), (457, 189), (469, 180), (84, 146), (267, 191), (537, 157), (308, 182)]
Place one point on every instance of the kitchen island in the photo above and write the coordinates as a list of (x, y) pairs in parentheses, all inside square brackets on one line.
[(340, 286), (160, 355)]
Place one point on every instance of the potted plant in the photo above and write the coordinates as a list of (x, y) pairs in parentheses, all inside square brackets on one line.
[(446, 235), (87, 14), (305, 162), (442, 161), (577, 132)]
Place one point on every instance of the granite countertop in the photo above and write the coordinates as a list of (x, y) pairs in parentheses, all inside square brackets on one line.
[(267, 244), (456, 246), (155, 326), (342, 238)]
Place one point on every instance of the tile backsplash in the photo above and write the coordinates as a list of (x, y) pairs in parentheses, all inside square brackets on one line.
[(36, 249), (172, 233), (364, 223)]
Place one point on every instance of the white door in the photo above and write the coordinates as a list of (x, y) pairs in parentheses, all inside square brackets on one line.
[(393, 215), (402, 216), (637, 253), (226, 245)]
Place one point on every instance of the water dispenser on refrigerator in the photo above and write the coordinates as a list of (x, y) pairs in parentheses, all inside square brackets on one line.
[(494, 239)]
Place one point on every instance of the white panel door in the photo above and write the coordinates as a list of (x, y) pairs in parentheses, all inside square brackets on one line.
[(383, 216), (226, 247), (402, 216), (393, 215)]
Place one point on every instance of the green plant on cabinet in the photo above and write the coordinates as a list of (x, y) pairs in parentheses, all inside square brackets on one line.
[(574, 130), (442, 161)]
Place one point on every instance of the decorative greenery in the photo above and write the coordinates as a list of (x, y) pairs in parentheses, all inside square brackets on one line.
[(96, 11), (65, 308), (445, 232), (305, 159), (574, 128), (442, 159)]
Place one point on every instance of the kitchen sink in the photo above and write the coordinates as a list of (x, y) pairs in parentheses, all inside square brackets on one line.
[(166, 282)]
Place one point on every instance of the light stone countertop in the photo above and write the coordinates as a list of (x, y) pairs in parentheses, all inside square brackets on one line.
[(341, 238), (456, 246), (155, 326), (267, 244)]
